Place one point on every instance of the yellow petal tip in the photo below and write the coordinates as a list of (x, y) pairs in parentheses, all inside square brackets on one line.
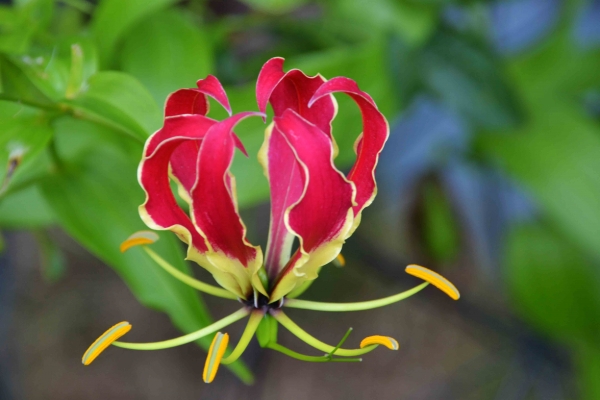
[(386, 341), (137, 239), (105, 340), (215, 354), (435, 279)]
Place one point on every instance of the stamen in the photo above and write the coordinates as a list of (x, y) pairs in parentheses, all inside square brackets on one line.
[(215, 353), (105, 340), (435, 279), (386, 341), (303, 357), (339, 261), (363, 305), (253, 322), (314, 342), (190, 337), (137, 239), (188, 280)]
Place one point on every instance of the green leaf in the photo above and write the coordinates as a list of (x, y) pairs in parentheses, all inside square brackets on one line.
[(439, 225), (274, 6), (118, 100), (96, 202), (177, 56), (25, 133), (113, 18), (21, 22), (553, 285), (25, 209)]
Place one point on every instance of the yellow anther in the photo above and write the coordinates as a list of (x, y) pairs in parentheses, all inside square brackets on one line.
[(386, 341), (104, 341), (215, 354), (339, 261), (435, 279), (139, 238)]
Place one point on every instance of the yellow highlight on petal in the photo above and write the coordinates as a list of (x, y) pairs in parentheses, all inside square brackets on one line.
[(139, 238), (386, 341), (215, 354), (104, 341), (435, 279)]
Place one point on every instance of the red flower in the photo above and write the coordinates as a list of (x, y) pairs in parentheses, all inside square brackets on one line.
[(310, 198)]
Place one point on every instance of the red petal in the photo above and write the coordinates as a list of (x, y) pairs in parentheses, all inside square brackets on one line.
[(194, 101), (160, 211), (212, 87), (322, 216), (375, 134), (214, 207), (292, 90)]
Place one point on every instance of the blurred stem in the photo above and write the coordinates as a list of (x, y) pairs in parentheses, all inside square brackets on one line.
[(314, 342), (359, 306), (302, 357), (190, 337), (253, 322)]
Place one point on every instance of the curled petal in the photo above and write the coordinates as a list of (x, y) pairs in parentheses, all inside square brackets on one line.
[(194, 101), (214, 206), (160, 210), (322, 216), (374, 135), (287, 90), (105, 340)]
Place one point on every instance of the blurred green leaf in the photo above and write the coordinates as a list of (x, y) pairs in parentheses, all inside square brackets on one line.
[(54, 263), (113, 18), (440, 231), (96, 202), (118, 100), (553, 285), (274, 6), (25, 209), (177, 56), (587, 361), (21, 21), (25, 133)]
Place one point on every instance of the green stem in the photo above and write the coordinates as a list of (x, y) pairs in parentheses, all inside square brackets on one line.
[(253, 322), (302, 357), (314, 342), (188, 280), (190, 337), (363, 305)]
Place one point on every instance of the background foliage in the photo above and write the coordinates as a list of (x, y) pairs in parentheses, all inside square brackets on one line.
[(494, 152)]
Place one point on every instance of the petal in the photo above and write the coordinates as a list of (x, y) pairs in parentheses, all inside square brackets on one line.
[(368, 146), (292, 90), (160, 210), (214, 206), (194, 101), (322, 216)]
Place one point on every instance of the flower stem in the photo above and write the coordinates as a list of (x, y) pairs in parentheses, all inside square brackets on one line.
[(363, 305), (253, 322), (190, 337), (302, 357), (314, 342), (188, 280)]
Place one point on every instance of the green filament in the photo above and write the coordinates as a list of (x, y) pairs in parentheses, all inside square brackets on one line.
[(253, 322)]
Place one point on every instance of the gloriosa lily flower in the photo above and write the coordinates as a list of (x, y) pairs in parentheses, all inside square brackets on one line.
[(311, 201)]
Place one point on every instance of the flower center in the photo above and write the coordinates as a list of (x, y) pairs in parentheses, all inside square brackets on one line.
[(261, 302)]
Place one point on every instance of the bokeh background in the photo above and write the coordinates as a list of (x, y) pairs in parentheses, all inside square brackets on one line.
[(491, 176)]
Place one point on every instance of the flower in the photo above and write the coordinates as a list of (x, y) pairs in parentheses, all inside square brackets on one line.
[(311, 201)]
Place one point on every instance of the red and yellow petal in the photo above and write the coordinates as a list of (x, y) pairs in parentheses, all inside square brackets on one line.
[(194, 101), (214, 206), (322, 216), (370, 143)]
